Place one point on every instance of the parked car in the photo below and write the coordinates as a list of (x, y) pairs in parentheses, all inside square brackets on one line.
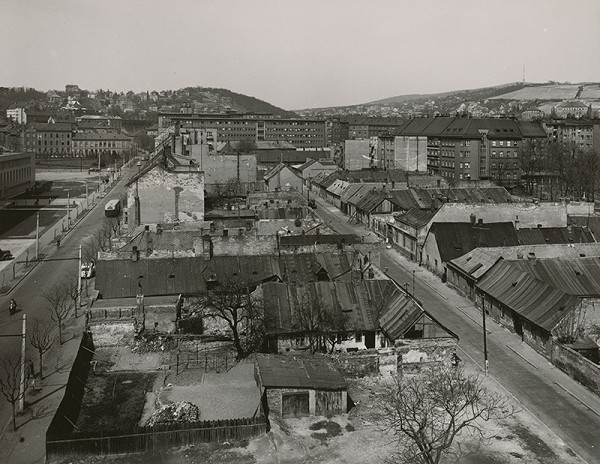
[(88, 270), (6, 255), (93, 169)]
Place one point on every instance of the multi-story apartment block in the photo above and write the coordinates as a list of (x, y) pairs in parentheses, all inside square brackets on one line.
[(585, 133), (51, 139), (302, 133), (97, 144), (462, 149), (17, 115)]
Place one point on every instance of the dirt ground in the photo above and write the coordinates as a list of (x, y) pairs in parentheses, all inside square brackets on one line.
[(359, 437)]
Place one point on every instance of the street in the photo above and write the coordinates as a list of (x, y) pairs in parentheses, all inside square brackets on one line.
[(59, 264), (562, 404)]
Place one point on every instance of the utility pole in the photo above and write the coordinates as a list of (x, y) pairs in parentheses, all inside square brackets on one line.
[(485, 353), (86, 195), (68, 211), (78, 303), (22, 385), (37, 236), (413, 286)]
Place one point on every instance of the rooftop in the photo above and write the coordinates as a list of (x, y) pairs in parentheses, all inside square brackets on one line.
[(277, 371)]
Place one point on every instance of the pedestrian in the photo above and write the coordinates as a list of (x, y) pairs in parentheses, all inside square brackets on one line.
[(57, 243)]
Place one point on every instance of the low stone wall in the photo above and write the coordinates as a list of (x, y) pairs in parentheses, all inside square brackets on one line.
[(576, 366), (114, 333), (413, 354), (358, 364)]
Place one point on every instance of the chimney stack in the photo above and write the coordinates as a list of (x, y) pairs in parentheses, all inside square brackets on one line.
[(135, 254)]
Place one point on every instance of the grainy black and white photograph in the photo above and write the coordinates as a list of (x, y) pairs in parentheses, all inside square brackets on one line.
[(318, 231)]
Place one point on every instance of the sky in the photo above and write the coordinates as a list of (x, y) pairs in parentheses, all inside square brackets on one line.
[(298, 54)]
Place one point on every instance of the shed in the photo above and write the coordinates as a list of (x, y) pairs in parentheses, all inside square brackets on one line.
[(300, 386)]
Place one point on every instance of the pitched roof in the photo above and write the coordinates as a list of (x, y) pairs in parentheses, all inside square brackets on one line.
[(529, 297), (571, 104), (576, 276), (415, 217), (167, 276), (454, 239), (298, 372), (354, 303), (553, 235), (277, 169), (306, 267)]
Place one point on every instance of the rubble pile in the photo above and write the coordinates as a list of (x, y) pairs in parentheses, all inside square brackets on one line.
[(183, 411)]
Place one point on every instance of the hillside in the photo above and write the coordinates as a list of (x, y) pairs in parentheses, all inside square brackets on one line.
[(237, 101), (502, 100), (13, 95)]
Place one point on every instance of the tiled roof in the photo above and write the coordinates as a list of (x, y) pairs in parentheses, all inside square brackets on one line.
[(167, 276), (52, 127), (455, 239), (529, 297), (415, 217), (307, 267), (554, 235), (299, 372), (451, 127)]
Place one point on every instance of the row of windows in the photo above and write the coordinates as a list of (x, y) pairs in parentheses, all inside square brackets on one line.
[(501, 143), (509, 154), (16, 176), (514, 165)]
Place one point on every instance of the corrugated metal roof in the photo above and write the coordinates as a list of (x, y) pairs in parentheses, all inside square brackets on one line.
[(299, 372), (455, 239), (534, 300), (338, 187), (356, 302), (352, 190), (477, 262), (578, 276)]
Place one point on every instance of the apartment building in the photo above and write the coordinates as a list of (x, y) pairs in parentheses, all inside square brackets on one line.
[(100, 143), (50, 139), (253, 127), (463, 149), (585, 133)]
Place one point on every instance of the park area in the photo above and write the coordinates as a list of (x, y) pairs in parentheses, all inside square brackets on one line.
[(358, 436)]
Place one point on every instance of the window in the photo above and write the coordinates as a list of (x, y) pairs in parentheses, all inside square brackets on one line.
[(508, 143), (501, 143), (358, 337), (493, 143), (467, 165), (467, 143)]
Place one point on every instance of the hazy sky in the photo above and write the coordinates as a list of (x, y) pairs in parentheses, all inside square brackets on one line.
[(299, 54)]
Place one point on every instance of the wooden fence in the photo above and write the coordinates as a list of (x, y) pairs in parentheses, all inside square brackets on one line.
[(150, 439)]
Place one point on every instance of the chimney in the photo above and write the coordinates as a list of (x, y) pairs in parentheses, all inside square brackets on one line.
[(479, 222), (473, 219), (135, 254), (517, 222), (149, 244), (207, 247)]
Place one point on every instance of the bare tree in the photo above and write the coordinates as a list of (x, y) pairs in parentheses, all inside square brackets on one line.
[(323, 327), (72, 289), (10, 382), (428, 413), (42, 338), (58, 298), (234, 303)]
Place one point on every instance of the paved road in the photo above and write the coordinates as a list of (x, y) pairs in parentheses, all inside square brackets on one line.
[(557, 400), (29, 292)]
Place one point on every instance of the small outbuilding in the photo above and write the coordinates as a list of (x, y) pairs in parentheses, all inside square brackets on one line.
[(300, 386)]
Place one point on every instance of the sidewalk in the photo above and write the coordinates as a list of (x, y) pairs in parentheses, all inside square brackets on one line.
[(511, 343), (26, 445)]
